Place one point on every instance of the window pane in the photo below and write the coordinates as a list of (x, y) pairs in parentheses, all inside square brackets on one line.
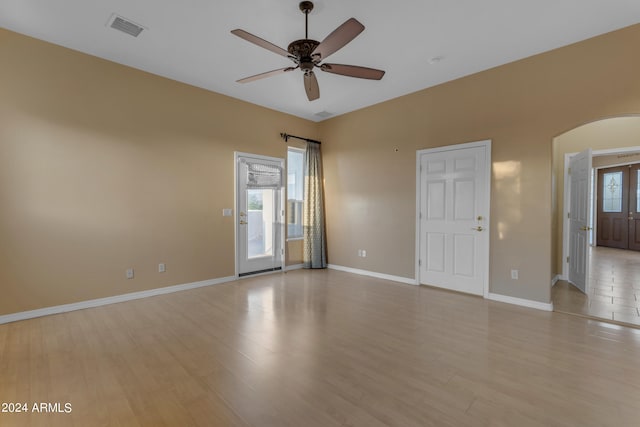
[(260, 220), (612, 192), (295, 191), (295, 179)]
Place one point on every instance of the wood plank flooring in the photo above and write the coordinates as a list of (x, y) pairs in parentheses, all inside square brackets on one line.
[(320, 348), (614, 293)]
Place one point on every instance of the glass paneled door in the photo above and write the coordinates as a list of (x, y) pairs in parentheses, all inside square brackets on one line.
[(619, 207), (259, 221)]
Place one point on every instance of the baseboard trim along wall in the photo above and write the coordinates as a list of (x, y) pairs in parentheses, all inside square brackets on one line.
[(555, 280), (14, 317), (24, 315), (494, 297), (373, 274), (520, 301)]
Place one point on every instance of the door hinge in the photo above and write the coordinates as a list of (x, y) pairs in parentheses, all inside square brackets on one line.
[(282, 251), (420, 215), (569, 215), (567, 259), (420, 263), (569, 171)]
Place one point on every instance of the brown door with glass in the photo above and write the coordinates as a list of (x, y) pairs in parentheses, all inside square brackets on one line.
[(618, 207)]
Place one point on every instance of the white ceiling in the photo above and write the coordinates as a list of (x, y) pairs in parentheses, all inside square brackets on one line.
[(190, 40)]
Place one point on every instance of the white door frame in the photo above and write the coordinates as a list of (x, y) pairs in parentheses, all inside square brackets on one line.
[(567, 195), (485, 252), (280, 161)]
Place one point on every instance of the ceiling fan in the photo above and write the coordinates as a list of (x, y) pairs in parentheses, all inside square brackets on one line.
[(308, 54)]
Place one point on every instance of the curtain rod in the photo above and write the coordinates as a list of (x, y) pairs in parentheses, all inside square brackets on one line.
[(286, 137)]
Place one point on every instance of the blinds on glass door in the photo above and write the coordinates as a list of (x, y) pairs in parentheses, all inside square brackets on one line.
[(261, 175)]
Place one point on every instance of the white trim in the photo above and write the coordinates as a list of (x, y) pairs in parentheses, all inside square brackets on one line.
[(294, 267), (14, 317), (487, 145), (383, 276), (292, 148), (520, 301), (565, 211), (555, 280)]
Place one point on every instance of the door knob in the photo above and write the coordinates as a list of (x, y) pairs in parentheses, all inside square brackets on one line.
[(478, 228), (585, 228), (243, 222)]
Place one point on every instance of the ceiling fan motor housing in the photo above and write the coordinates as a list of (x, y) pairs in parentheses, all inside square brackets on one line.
[(301, 51)]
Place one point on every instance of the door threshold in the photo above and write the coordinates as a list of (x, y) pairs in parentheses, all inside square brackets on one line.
[(599, 319), (266, 270)]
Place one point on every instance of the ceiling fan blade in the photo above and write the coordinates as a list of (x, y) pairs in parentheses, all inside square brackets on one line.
[(260, 42), (353, 71), (340, 37), (264, 75), (311, 86)]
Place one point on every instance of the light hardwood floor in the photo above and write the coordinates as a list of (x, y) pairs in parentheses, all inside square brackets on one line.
[(320, 348), (614, 288)]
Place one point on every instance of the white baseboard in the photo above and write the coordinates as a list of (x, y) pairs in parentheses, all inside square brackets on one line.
[(373, 274), (14, 317), (520, 301), (555, 280), (293, 267)]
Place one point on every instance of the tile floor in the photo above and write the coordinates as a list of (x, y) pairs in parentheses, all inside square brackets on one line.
[(614, 288)]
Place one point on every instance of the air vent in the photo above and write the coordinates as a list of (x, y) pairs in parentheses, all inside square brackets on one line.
[(125, 25), (324, 114)]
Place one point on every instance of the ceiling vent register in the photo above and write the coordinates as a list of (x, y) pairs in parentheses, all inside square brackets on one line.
[(126, 26)]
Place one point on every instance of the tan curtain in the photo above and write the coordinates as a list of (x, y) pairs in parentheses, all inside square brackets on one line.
[(315, 242)]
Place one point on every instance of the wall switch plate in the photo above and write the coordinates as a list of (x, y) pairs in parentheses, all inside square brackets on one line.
[(129, 273), (514, 274), (364, 253), (227, 212), (162, 268)]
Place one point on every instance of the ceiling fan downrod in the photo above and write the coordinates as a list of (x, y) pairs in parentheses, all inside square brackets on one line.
[(306, 7)]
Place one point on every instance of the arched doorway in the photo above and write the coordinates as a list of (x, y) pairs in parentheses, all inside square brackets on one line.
[(612, 273)]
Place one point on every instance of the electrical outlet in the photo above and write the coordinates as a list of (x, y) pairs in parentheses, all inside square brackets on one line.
[(129, 273), (514, 274), (162, 268), (364, 253)]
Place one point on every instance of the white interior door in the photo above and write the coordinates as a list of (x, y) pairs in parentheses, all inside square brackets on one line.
[(579, 218), (453, 217), (260, 212)]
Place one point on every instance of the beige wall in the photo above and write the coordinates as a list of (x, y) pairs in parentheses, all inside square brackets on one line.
[(606, 134), (521, 107), (103, 167)]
